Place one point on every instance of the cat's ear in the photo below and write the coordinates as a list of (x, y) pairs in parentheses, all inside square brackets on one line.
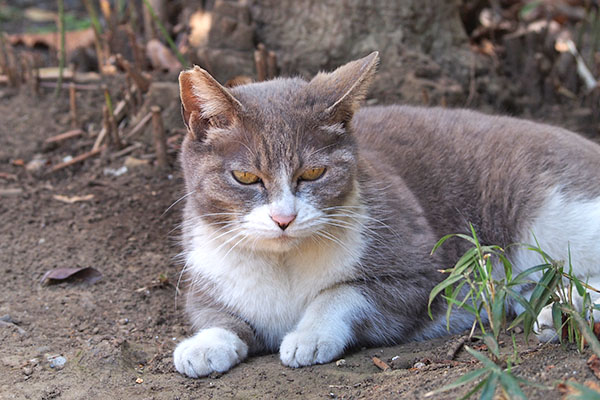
[(346, 88), (205, 103)]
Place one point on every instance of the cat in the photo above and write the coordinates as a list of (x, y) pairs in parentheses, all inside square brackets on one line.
[(309, 221)]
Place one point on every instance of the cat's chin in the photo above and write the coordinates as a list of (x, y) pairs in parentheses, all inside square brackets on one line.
[(279, 244)]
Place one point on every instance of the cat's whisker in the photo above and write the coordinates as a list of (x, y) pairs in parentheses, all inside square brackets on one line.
[(177, 202)]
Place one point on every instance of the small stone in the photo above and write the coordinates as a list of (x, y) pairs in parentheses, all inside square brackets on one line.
[(95, 330), (57, 362), (27, 370), (419, 365), (517, 329), (124, 321), (139, 380), (36, 164), (340, 362)]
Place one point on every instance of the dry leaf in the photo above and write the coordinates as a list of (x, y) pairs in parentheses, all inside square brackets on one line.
[(161, 57), (72, 199), (73, 39), (594, 363), (87, 274)]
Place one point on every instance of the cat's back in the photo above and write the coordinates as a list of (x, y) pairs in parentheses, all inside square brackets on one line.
[(467, 166)]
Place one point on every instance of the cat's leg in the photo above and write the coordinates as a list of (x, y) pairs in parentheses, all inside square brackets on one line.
[(222, 342), (326, 328)]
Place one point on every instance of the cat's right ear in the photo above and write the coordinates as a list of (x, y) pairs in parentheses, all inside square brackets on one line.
[(205, 103)]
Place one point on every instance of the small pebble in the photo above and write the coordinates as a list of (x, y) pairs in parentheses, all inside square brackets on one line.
[(95, 330), (139, 380), (57, 362), (419, 365), (27, 370), (340, 362)]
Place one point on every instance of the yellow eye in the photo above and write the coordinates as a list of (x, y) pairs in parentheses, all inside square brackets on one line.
[(244, 177), (312, 174)]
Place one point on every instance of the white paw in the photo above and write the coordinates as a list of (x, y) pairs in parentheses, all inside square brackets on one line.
[(299, 349), (209, 350), (544, 326)]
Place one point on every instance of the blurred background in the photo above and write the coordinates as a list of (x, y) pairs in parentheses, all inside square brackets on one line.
[(536, 58)]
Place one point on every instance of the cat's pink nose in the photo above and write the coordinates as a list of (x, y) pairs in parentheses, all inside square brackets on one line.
[(283, 220)]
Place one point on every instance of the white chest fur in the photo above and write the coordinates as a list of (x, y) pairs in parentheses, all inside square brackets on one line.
[(271, 291)]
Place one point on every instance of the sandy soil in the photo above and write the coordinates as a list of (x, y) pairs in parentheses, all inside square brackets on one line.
[(118, 334)]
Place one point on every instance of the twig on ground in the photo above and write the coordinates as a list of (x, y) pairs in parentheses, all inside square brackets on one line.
[(382, 365), (140, 125), (73, 105), (77, 159), (158, 135), (456, 346), (64, 136)]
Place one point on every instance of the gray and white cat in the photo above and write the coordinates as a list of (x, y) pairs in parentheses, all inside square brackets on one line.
[(309, 222)]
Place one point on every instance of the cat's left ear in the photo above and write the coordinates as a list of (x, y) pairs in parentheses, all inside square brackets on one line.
[(345, 88), (205, 102)]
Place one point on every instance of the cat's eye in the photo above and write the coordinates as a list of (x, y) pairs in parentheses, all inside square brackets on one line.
[(247, 178), (312, 174)]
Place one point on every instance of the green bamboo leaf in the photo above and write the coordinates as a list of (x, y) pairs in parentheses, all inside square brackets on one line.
[(466, 378), (442, 241), (462, 304), (489, 364), (492, 344), (489, 388), (439, 288), (557, 319), (475, 389), (498, 311), (530, 271), (511, 386)]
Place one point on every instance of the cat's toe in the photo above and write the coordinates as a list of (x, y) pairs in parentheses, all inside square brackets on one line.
[(299, 349), (210, 350)]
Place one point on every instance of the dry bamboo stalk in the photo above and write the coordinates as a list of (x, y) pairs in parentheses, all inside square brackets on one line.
[(260, 60), (73, 105), (77, 159), (138, 78), (64, 136), (100, 138), (158, 135), (106, 126), (271, 65), (139, 126)]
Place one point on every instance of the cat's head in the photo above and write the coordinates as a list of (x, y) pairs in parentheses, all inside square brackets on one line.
[(270, 164)]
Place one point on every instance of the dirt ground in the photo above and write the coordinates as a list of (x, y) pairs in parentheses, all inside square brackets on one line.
[(117, 335)]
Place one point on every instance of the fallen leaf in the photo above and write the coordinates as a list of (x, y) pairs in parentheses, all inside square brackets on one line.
[(161, 57), (73, 39), (72, 199), (87, 274), (594, 363)]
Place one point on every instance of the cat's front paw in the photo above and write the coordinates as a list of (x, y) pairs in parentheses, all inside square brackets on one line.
[(299, 349), (544, 326), (209, 350)]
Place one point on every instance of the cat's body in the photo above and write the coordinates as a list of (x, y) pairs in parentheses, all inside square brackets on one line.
[(330, 246)]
